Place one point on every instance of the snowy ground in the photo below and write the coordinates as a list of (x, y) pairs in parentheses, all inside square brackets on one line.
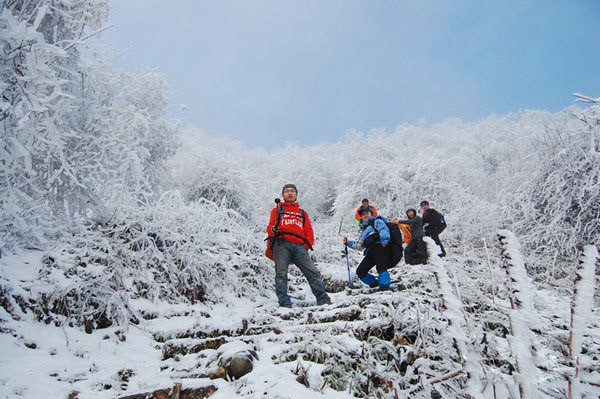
[(401, 343)]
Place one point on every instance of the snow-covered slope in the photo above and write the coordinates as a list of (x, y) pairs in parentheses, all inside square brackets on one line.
[(132, 253), (442, 332)]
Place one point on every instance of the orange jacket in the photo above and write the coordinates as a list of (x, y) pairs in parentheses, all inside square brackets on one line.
[(373, 211), (406, 235), (291, 222)]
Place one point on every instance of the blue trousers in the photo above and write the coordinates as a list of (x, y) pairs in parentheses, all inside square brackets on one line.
[(285, 252), (376, 256)]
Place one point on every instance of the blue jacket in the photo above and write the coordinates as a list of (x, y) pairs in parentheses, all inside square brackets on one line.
[(380, 226)]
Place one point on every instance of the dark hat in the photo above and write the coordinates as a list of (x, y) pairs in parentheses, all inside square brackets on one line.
[(364, 200), (364, 209), (424, 203), (289, 185), (411, 209)]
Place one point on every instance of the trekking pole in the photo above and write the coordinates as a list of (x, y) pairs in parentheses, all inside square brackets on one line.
[(348, 265), (276, 227)]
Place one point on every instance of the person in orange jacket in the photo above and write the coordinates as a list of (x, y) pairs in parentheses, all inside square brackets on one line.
[(364, 204), (291, 236)]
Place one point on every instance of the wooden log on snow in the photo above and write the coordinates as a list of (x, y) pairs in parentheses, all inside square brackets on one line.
[(190, 393)]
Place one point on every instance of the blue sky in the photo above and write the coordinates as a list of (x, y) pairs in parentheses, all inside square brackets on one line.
[(277, 71)]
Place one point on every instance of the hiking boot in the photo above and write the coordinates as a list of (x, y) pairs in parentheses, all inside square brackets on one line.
[(384, 288), (374, 285), (325, 303), (441, 255), (286, 305)]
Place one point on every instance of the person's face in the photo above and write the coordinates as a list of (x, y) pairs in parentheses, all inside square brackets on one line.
[(424, 207), (290, 195), (366, 215), (411, 214), (365, 203)]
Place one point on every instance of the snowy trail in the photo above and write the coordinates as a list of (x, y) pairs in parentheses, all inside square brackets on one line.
[(400, 342), (280, 335), (389, 326)]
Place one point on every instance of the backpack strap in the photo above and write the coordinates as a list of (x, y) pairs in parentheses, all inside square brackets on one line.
[(279, 213), (280, 234), (372, 222)]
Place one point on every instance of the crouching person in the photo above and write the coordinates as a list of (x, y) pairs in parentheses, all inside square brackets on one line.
[(415, 252), (374, 239), (291, 236)]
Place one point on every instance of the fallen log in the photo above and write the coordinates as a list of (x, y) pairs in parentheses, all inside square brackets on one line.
[(189, 393)]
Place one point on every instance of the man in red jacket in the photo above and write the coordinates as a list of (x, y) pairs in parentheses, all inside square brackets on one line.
[(291, 236)]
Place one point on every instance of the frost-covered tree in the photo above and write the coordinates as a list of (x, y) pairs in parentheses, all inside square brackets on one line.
[(557, 210), (214, 169), (37, 92), (79, 139), (124, 135)]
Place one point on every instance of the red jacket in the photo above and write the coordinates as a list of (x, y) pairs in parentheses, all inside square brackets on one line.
[(291, 222)]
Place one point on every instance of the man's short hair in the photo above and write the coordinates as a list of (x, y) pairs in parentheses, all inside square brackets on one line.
[(289, 185), (364, 209)]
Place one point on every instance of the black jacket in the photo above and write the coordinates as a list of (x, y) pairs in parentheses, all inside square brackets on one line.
[(432, 220)]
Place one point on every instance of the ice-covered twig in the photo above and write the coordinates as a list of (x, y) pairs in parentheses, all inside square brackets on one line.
[(469, 358), (521, 313), (83, 39), (586, 99), (492, 282), (582, 303), (448, 377)]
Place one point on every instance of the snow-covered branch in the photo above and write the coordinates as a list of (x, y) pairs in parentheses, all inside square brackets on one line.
[(522, 314), (582, 303), (469, 357)]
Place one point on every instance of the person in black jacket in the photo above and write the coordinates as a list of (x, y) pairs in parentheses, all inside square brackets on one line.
[(434, 224), (415, 252)]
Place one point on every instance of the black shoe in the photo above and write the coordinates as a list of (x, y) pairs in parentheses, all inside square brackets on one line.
[(384, 288), (373, 285), (325, 303), (441, 255), (287, 305)]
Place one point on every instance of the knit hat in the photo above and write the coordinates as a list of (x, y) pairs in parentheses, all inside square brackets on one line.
[(289, 185)]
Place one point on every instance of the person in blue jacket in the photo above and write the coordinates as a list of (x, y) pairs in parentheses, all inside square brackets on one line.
[(373, 239)]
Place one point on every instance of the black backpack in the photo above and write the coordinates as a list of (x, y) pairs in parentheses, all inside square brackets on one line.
[(442, 223), (439, 224), (395, 243)]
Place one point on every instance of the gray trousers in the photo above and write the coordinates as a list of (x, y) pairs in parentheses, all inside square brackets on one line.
[(286, 252)]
